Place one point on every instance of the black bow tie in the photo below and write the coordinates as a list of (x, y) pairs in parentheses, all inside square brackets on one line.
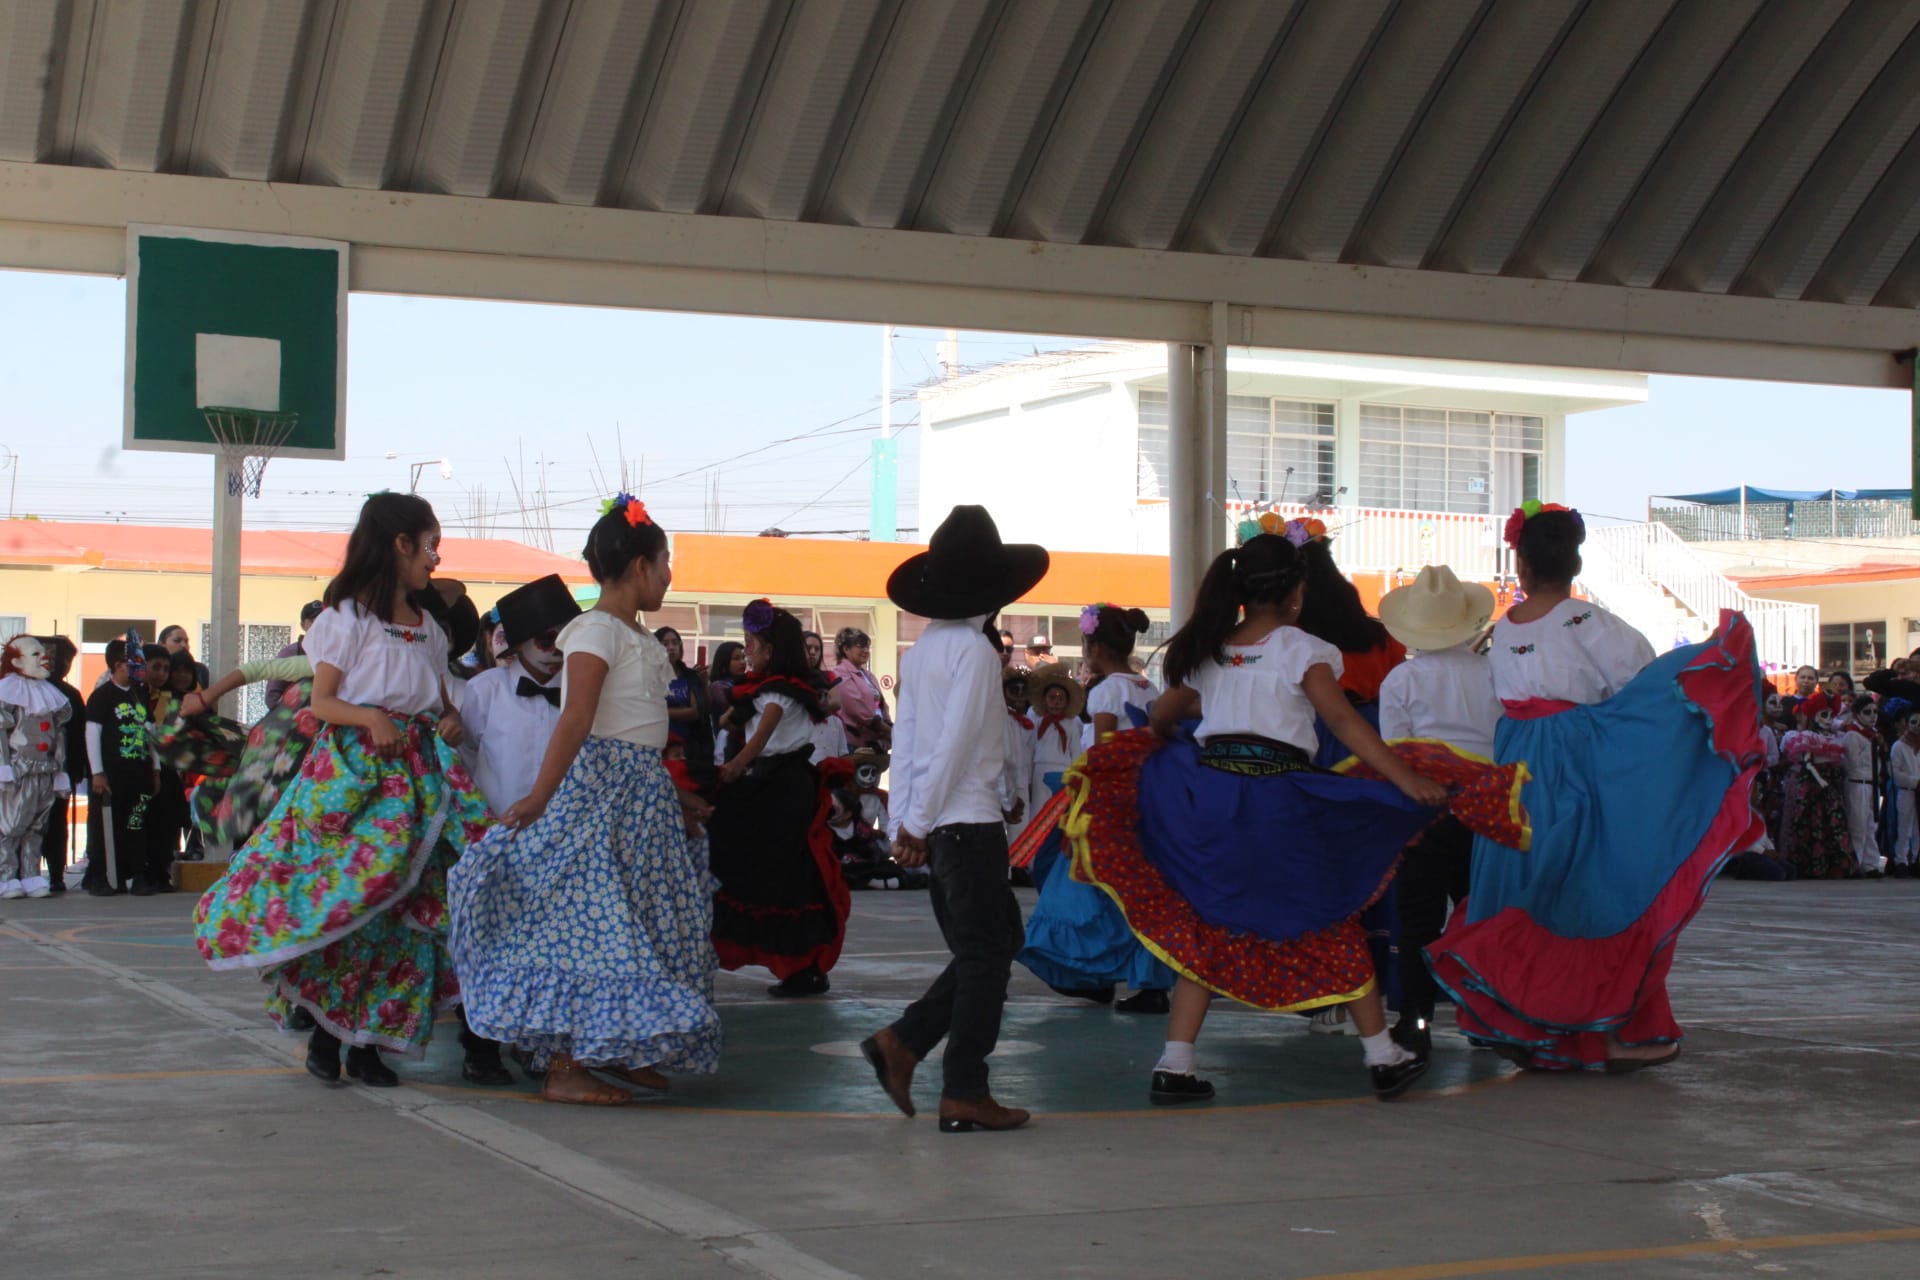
[(528, 689)]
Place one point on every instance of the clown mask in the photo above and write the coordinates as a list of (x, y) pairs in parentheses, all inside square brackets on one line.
[(27, 657)]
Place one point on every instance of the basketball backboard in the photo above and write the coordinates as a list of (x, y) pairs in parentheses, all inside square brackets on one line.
[(238, 320)]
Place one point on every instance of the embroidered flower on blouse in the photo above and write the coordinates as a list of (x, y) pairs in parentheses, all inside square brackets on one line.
[(1243, 659), (1521, 648), (409, 635), (1577, 619)]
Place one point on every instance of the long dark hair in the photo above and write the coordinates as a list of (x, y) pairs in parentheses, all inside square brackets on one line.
[(789, 656), (1332, 610), (720, 670), (1264, 571), (370, 575)]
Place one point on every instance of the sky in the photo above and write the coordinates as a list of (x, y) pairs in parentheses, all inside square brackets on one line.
[(725, 424)]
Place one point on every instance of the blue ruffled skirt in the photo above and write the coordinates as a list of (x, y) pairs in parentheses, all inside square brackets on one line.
[(588, 932)]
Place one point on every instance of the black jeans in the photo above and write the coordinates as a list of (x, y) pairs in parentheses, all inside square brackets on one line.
[(129, 805), (980, 920), (1433, 872), (53, 842)]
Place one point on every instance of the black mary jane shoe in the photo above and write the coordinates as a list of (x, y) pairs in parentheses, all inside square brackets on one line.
[(364, 1065), (1099, 995), (1145, 1002), (1390, 1082), (807, 982), (1173, 1087), (1415, 1037), (323, 1056)]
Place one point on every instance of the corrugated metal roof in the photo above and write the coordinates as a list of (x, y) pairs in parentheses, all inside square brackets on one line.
[(1766, 148)]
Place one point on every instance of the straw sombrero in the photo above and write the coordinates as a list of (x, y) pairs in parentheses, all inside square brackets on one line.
[(1041, 679), (1436, 610)]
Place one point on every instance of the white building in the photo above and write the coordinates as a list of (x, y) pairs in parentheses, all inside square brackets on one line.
[(1422, 458)]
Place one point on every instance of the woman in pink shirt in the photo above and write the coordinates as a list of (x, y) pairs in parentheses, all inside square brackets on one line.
[(863, 708)]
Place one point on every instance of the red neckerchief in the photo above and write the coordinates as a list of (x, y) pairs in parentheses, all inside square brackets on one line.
[(803, 692), (1022, 721), (1853, 727), (1054, 723)]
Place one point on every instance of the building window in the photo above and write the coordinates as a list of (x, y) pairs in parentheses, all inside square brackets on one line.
[(96, 632), (1453, 460), (1853, 647), (258, 641), (1277, 450)]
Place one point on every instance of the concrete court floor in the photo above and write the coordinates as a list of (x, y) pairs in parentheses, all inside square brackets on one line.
[(150, 1127)]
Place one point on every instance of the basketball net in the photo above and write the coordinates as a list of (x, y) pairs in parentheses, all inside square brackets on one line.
[(248, 440)]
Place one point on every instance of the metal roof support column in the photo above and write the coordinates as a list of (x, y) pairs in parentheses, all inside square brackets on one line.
[(1197, 460)]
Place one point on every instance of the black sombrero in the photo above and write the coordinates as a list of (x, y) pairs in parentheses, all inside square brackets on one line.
[(966, 570)]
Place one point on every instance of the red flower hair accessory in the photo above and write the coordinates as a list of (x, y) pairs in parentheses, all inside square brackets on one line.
[(629, 506), (1527, 511)]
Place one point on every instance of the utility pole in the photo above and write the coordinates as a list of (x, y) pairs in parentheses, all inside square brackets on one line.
[(883, 519)]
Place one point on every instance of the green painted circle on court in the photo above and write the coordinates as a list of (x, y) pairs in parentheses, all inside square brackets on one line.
[(799, 1058)]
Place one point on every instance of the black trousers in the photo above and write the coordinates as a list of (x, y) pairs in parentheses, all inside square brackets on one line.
[(129, 806), (980, 919), (1433, 872), (53, 841)]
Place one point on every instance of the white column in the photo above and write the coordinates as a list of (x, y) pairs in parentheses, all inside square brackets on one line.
[(1187, 507), (1197, 458), (225, 605)]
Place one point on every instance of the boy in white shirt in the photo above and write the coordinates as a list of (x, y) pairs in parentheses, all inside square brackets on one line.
[(511, 709), (1445, 692), (949, 751), (510, 712), (1904, 763)]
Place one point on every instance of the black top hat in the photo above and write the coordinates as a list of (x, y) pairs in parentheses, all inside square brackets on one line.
[(966, 570), (544, 604)]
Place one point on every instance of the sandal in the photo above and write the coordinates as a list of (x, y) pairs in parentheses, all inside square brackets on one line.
[(645, 1077), (568, 1081)]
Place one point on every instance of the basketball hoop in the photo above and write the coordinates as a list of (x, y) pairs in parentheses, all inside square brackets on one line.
[(248, 439)]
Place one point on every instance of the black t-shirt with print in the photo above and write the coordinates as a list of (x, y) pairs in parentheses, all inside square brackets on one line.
[(122, 717)]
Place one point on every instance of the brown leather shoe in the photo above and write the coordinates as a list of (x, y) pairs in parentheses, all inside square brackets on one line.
[(893, 1064), (964, 1115)]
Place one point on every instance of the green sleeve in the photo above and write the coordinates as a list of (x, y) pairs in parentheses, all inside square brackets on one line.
[(288, 669)]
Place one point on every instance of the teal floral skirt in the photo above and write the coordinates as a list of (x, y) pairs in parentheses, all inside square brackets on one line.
[(339, 899)]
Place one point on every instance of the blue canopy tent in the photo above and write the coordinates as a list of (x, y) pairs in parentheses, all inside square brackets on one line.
[(1746, 493)]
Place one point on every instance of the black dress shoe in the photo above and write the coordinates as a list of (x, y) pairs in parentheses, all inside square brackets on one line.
[(101, 890), (141, 889), (1145, 1002), (1099, 995), (1170, 1087), (166, 886), (807, 982), (483, 1065), (364, 1065), (1390, 1082), (299, 1020), (1415, 1037), (57, 886), (323, 1055)]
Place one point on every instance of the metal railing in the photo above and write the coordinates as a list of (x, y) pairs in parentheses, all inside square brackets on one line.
[(1370, 539), (1847, 518), (1788, 635)]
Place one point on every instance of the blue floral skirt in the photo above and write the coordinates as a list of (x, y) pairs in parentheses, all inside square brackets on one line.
[(588, 932)]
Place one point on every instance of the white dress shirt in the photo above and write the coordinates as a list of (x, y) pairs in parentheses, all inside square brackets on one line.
[(507, 735), (1445, 694), (949, 745)]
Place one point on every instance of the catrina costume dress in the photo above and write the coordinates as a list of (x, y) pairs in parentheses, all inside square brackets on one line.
[(339, 900), (1640, 788), (1235, 861), (782, 901)]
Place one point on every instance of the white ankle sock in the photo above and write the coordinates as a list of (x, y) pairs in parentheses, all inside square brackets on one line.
[(1177, 1057), (1381, 1050)]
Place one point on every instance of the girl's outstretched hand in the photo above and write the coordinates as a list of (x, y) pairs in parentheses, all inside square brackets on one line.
[(524, 812), (1424, 790)]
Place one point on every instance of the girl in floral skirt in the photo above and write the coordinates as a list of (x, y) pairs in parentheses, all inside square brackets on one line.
[(338, 900), (580, 924)]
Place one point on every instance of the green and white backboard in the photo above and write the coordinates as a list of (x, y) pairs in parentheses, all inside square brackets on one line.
[(243, 321)]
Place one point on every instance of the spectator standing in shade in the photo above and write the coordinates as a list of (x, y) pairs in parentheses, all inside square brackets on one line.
[(59, 835)]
